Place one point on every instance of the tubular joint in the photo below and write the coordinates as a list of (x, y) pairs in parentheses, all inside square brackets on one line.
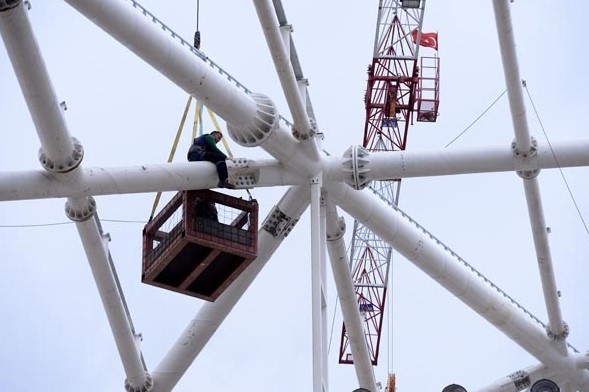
[(66, 165)]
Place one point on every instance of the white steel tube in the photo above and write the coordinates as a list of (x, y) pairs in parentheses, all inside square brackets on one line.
[(427, 163), (210, 316), (524, 146), (96, 247), (58, 148), (181, 66), (431, 257), (324, 315), (540, 235), (511, 382), (347, 297), (38, 184), (31, 72), (512, 77), (302, 129), (317, 300), (283, 66), (144, 38), (25, 185)]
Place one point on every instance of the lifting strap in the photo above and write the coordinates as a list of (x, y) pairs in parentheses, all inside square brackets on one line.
[(172, 152), (197, 123)]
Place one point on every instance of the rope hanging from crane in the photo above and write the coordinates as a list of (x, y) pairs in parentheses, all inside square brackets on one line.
[(197, 124)]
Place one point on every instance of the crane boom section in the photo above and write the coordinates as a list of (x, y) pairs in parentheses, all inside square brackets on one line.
[(393, 79)]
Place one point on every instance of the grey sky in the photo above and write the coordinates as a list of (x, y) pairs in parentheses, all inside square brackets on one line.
[(54, 333)]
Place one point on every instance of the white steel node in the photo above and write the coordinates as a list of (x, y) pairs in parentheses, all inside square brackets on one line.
[(356, 163), (261, 128), (68, 163), (80, 210)]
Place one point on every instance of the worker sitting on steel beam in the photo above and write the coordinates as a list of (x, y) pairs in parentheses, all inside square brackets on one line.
[(204, 148)]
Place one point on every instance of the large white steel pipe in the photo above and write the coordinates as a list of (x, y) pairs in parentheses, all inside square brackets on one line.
[(524, 146), (348, 301), (284, 69), (25, 185), (518, 381), (143, 37), (95, 247), (431, 257), (318, 321), (513, 80), (540, 234), (442, 162), (181, 66), (38, 184), (210, 316), (31, 72)]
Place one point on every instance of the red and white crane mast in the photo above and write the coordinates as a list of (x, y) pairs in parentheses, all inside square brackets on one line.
[(397, 89)]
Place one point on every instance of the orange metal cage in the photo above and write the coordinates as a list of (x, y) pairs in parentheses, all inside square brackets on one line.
[(199, 243)]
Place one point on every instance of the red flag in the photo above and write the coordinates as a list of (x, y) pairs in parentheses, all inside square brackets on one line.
[(429, 40)]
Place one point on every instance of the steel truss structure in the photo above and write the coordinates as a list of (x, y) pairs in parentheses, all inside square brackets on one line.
[(325, 183), (391, 100)]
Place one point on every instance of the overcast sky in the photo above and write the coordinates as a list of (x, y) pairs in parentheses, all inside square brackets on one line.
[(54, 334)]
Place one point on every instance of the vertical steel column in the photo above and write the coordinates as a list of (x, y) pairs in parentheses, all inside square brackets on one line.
[(318, 300)]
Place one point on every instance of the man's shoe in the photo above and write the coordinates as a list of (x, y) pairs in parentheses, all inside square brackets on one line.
[(226, 184)]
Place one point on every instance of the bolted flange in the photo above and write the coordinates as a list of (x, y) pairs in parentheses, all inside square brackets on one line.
[(66, 165), (81, 213), (558, 337), (278, 224), (532, 153), (356, 164), (146, 387), (526, 174), (305, 135), (265, 122), (242, 175), (339, 232)]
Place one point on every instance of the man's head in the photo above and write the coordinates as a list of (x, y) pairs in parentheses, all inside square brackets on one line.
[(217, 136)]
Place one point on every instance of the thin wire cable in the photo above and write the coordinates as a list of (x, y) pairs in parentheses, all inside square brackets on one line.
[(332, 324), (335, 310), (67, 223), (556, 159), (123, 221), (35, 225), (476, 119)]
